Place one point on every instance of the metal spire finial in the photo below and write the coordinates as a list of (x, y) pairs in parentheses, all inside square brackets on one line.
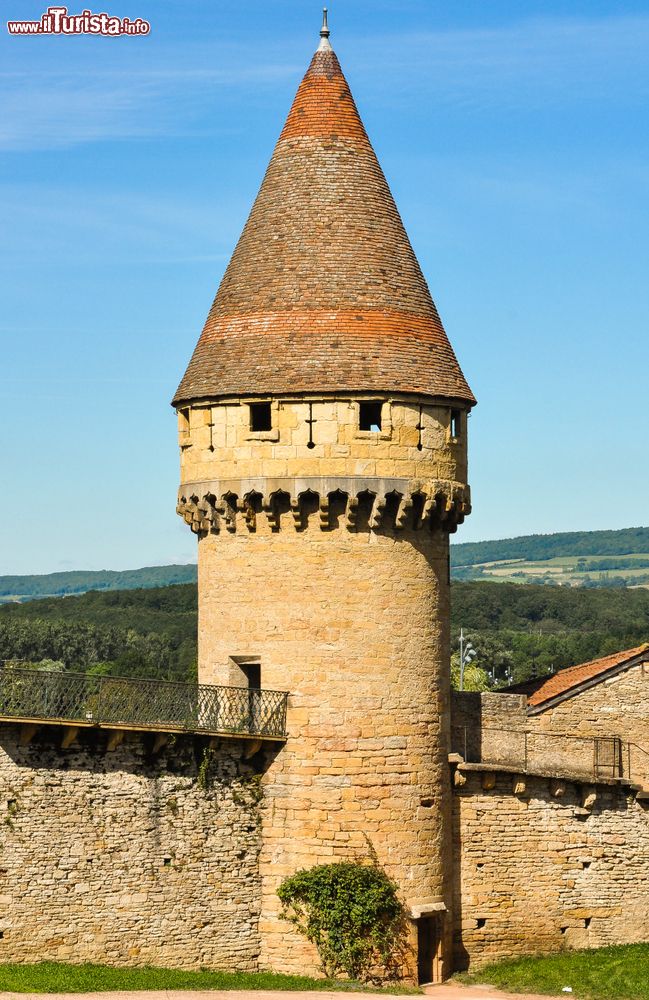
[(324, 32)]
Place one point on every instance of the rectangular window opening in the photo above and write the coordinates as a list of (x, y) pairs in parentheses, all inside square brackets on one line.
[(252, 674), (369, 417), (456, 423), (245, 671), (260, 417), (183, 420)]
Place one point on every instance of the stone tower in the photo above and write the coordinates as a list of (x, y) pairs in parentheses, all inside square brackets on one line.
[(323, 432)]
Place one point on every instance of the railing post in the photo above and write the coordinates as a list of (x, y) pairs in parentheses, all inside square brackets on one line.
[(525, 748), (99, 693)]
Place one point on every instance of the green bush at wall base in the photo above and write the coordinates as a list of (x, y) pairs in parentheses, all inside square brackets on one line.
[(351, 912)]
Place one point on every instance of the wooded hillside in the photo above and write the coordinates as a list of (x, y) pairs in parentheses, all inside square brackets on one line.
[(626, 541), (529, 629)]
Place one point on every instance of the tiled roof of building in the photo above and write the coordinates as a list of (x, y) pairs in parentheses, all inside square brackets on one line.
[(562, 683), (323, 292)]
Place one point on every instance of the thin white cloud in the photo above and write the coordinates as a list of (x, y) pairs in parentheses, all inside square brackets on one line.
[(45, 222), (50, 108), (531, 62), (48, 104)]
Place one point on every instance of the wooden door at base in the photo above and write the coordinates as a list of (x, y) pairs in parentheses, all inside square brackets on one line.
[(427, 949)]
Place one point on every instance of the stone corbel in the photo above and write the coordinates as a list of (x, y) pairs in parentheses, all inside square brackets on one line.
[(160, 741), (27, 732), (444, 507), (205, 513), (459, 778), (70, 734), (377, 512), (352, 513), (519, 786), (403, 512), (270, 509), (115, 738), (325, 513), (557, 788), (249, 514), (230, 515), (252, 747), (296, 511), (426, 511), (588, 797)]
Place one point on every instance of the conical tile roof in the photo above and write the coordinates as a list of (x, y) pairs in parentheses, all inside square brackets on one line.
[(323, 293)]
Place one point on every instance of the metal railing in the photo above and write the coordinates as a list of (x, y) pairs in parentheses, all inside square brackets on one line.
[(527, 750), (84, 699)]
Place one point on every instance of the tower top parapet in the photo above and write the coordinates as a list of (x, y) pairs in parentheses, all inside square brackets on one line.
[(323, 293)]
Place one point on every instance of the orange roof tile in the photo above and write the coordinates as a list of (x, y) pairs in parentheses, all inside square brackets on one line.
[(563, 681), (323, 292)]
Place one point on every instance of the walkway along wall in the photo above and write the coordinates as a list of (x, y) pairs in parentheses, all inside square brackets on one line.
[(123, 857)]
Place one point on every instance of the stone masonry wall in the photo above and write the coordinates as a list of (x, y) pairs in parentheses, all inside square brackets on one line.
[(618, 706), (491, 727), (122, 858), (217, 443), (355, 626), (546, 868)]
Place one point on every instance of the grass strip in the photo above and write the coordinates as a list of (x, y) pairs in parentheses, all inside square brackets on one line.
[(617, 973), (58, 977)]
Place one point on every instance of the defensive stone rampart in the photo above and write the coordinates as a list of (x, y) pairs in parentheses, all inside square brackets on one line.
[(123, 857), (543, 864)]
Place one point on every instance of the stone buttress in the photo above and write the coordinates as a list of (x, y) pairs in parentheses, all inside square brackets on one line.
[(323, 432)]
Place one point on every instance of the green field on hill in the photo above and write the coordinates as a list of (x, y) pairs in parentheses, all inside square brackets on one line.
[(576, 559), (24, 588)]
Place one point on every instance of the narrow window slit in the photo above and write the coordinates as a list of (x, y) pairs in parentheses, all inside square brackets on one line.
[(420, 427), (311, 420)]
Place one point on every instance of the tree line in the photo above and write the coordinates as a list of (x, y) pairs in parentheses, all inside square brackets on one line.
[(521, 631), (135, 633), (517, 629), (80, 581)]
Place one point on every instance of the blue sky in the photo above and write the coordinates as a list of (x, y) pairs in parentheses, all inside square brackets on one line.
[(515, 139)]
